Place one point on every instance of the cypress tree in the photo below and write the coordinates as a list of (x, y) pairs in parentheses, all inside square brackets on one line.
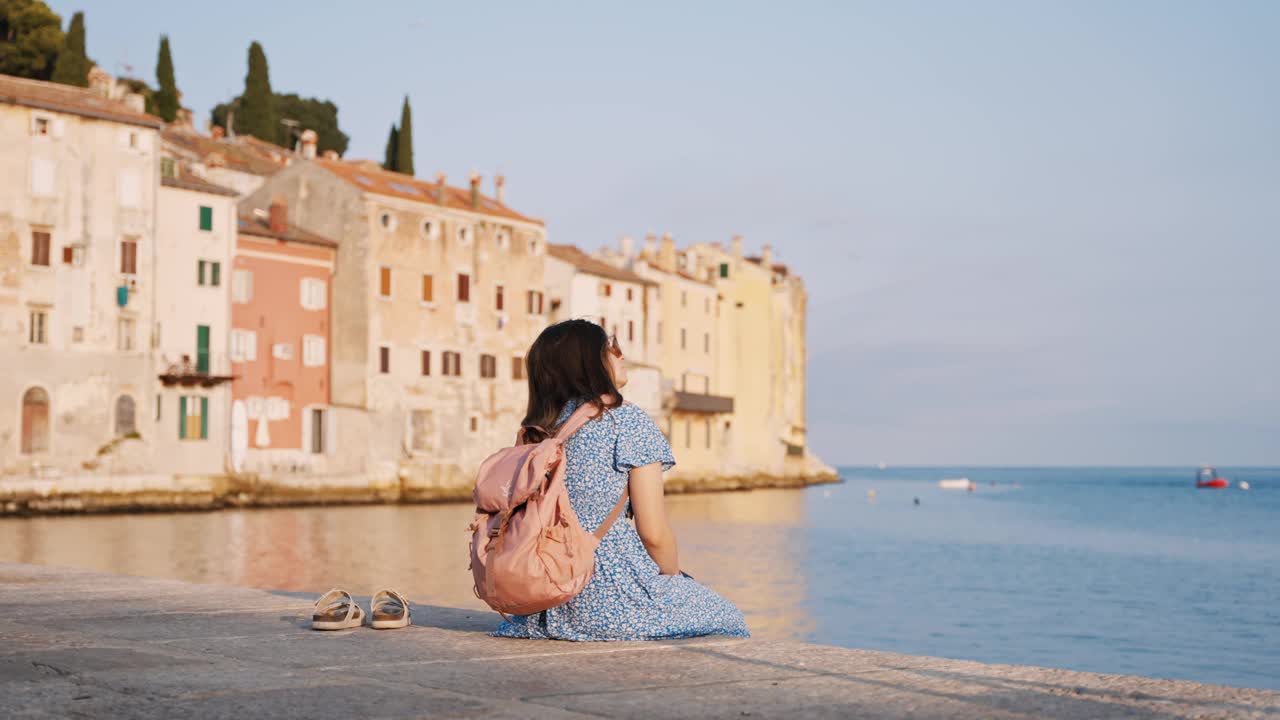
[(72, 66), (166, 98), (404, 140), (256, 114), (393, 144)]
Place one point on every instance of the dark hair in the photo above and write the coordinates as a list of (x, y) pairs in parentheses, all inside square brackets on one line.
[(567, 362)]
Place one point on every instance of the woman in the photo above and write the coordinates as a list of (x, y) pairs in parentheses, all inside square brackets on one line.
[(638, 591)]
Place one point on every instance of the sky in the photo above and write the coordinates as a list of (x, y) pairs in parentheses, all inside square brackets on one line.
[(1033, 233)]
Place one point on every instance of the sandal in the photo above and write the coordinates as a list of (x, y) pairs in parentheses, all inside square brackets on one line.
[(336, 610), (388, 610)]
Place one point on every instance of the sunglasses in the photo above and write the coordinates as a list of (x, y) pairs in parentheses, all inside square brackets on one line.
[(613, 348)]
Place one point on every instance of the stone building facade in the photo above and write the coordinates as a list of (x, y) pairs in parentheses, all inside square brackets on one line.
[(437, 295)]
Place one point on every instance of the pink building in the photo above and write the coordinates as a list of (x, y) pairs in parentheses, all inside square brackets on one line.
[(279, 345)]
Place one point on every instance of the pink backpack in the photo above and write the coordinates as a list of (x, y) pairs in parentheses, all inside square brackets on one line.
[(528, 551)]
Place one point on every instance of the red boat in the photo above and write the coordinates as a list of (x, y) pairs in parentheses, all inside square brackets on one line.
[(1208, 478)]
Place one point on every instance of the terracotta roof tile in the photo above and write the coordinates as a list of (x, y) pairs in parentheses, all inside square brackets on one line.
[(72, 100), (242, 154), (592, 266), (187, 180), (253, 225), (370, 178)]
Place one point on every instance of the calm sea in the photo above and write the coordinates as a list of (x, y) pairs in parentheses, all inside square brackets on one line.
[(1118, 570)]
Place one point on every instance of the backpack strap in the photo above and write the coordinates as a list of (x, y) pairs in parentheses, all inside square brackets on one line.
[(585, 412), (613, 514)]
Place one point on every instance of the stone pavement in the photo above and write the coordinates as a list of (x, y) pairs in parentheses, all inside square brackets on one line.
[(81, 644)]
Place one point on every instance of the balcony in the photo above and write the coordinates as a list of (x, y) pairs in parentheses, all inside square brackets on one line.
[(205, 370), (701, 403)]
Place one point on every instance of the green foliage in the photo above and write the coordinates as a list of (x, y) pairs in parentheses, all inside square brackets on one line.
[(166, 97), (30, 38), (404, 140), (142, 88), (311, 114), (73, 65), (256, 114), (393, 140)]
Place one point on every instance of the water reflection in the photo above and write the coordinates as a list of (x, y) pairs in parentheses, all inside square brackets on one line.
[(748, 546)]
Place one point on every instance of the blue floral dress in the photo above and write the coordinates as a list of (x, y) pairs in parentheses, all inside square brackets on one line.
[(627, 599)]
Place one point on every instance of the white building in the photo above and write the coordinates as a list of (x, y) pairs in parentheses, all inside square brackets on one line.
[(77, 249)]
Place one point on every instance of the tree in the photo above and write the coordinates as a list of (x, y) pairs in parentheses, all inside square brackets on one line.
[(72, 66), (393, 141), (311, 113), (30, 38), (166, 97), (404, 140), (256, 114)]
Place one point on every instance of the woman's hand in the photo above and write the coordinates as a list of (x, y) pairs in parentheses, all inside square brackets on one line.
[(651, 517)]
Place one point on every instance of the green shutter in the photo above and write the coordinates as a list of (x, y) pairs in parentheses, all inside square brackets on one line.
[(202, 349), (182, 417), (206, 218), (217, 274), (724, 270), (204, 418), (200, 272)]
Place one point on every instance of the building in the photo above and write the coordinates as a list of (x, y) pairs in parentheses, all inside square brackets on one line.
[(437, 295), (196, 233), (280, 283), (77, 292), (241, 163), (583, 287)]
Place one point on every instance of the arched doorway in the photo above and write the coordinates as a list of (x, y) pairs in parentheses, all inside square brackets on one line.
[(126, 423), (35, 421)]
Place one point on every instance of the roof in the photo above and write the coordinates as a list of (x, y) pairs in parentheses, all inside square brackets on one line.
[(592, 266), (776, 267), (258, 227), (186, 180), (72, 100), (652, 262), (369, 178), (242, 154)]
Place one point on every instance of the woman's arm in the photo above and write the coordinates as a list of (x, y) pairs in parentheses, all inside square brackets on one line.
[(651, 517)]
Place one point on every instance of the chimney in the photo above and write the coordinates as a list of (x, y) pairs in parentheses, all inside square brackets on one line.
[(100, 82), (331, 154), (667, 253), (650, 246), (440, 188), (737, 246), (135, 102), (626, 246), (278, 215), (766, 257), (216, 132), (498, 182), (475, 189), (309, 141)]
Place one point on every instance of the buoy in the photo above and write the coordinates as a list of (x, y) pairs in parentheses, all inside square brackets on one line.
[(1244, 484)]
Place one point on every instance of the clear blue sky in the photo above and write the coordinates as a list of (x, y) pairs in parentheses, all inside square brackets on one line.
[(1032, 232)]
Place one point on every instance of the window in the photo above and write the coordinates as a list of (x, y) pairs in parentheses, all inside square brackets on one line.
[(688, 433), (242, 286), (464, 234), (124, 334), (535, 302), (42, 176), (684, 299), (682, 338), (428, 231), (73, 255), (420, 430), (475, 423), (202, 349), (606, 289), (282, 351), (129, 256), (706, 343), (168, 167), (488, 366), (77, 334), (534, 247), (708, 427), (314, 292), (319, 425), (631, 330), (40, 247), (384, 359), (208, 273), (387, 221), (629, 294), (313, 350), (517, 368), (497, 298), (428, 289), (452, 364), (464, 287), (35, 421), (206, 217), (657, 335), (384, 281), (125, 416), (38, 332), (133, 141), (504, 239), (193, 417), (40, 125), (426, 362), (724, 270), (244, 346), (604, 324), (159, 406), (129, 191)]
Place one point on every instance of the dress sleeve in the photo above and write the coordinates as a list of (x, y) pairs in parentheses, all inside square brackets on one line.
[(640, 442)]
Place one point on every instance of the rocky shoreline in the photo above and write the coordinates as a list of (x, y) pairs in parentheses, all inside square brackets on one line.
[(28, 496)]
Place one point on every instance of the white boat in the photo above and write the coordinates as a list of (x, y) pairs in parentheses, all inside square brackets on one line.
[(883, 465), (956, 484)]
